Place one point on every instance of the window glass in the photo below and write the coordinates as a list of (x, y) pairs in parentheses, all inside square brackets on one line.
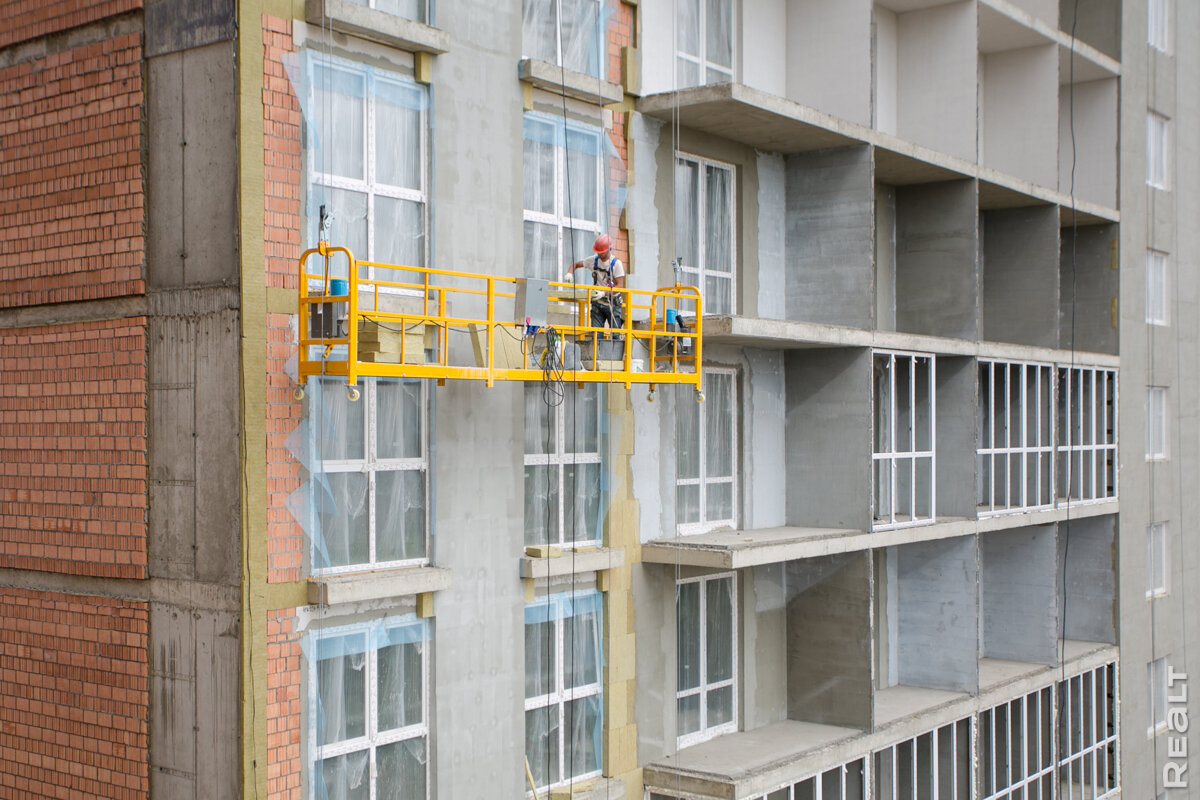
[(704, 226), (1156, 287), (568, 33), (1158, 151), (1156, 559), (704, 37), (706, 657), (706, 455), (563, 465), (1156, 422)]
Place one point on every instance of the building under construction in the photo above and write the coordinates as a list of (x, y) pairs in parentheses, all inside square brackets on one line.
[(340, 461)]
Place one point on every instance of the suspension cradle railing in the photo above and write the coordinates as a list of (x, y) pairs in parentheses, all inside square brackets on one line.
[(416, 323)]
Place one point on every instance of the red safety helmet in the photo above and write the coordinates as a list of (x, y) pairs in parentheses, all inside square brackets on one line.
[(603, 243)]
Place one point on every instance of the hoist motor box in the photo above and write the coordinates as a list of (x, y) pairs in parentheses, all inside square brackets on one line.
[(532, 302)]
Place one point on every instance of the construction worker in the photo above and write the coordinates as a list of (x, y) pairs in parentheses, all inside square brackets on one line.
[(607, 270)]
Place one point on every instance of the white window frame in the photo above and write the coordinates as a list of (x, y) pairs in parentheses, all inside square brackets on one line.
[(1157, 560), (701, 59), (1157, 289), (793, 790), (561, 696), (886, 460), (1086, 433), (1156, 423), (704, 687), (560, 217), (599, 42), (1156, 687), (559, 459), (372, 465), (892, 755), (1087, 746), (1158, 151), (1027, 439), (1158, 25), (996, 724), (704, 480), (373, 739), (701, 270), (368, 185)]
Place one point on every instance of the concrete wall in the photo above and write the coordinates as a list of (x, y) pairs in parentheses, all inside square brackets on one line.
[(937, 269), (764, 663), (1020, 275), (937, 87), (1019, 113), (957, 436), (830, 199), (1018, 595), (1098, 22), (771, 302), (828, 438), (819, 34), (1087, 558), (886, 66), (829, 640), (937, 612), (763, 45), (1094, 151), (1089, 288), (764, 450)]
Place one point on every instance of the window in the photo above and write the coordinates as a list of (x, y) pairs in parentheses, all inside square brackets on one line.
[(1156, 559), (1156, 685), (935, 765), (704, 226), (567, 33), (904, 439), (370, 475), (416, 10), (1087, 734), (1158, 25), (705, 40), (1015, 742), (706, 652), (564, 194), (843, 782), (1156, 287), (367, 156), (1016, 434), (1086, 434), (367, 709), (1158, 151), (562, 466), (562, 687), (706, 455), (1156, 423)]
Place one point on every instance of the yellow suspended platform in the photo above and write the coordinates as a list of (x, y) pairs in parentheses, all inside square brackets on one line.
[(367, 319)]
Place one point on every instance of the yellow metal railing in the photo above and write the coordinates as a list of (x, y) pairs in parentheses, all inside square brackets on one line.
[(357, 324)]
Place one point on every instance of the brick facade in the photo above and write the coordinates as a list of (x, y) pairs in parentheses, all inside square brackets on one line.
[(73, 448), (284, 708), (72, 199), (74, 696), (285, 539), (27, 19), (281, 155)]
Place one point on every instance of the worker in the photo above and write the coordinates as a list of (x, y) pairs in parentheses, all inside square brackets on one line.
[(608, 271)]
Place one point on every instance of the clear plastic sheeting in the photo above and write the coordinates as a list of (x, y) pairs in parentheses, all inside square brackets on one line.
[(704, 225), (705, 42), (365, 503), (574, 187), (705, 450), (567, 33), (563, 671), (367, 707)]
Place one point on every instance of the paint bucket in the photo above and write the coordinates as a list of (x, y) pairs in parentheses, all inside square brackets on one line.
[(339, 287), (672, 316)]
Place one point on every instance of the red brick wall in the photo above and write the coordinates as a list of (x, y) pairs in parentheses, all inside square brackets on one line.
[(284, 708), (72, 208), (281, 155), (620, 34), (27, 19), (285, 539), (73, 448), (74, 696)]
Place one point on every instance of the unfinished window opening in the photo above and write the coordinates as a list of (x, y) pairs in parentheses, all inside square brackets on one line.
[(1016, 756), (1156, 288), (1156, 560), (904, 435), (563, 193), (843, 782), (566, 33), (704, 229), (1087, 734), (706, 652), (563, 718), (1158, 151), (705, 42), (563, 467), (1158, 25), (367, 709), (1156, 423), (367, 161), (1156, 687), (370, 478), (933, 766), (1086, 434), (706, 455), (1016, 435)]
